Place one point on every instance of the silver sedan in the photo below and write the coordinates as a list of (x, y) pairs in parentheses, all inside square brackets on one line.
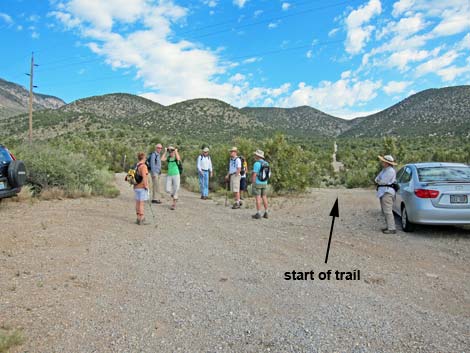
[(433, 193)]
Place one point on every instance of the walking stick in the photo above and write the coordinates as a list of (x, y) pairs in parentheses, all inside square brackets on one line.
[(226, 193), (151, 210)]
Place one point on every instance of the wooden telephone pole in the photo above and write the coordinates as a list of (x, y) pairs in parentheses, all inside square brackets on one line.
[(31, 86)]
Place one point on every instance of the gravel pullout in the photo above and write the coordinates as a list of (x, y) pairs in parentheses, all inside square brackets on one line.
[(79, 276)]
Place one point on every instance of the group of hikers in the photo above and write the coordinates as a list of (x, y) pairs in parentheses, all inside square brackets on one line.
[(235, 179)]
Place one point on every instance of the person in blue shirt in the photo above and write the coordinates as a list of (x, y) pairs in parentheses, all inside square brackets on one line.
[(259, 187), (155, 172)]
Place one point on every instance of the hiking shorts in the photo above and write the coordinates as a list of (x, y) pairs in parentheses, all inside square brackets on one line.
[(235, 183), (243, 184), (259, 189), (141, 194)]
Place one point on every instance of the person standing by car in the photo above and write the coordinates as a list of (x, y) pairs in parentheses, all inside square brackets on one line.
[(259, 186), (141, 188), (155, 172), (233, 176), (173, 176), (385, 191), (204, 170)]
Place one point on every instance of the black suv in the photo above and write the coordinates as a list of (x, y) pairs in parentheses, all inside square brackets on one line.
[(12, 174)]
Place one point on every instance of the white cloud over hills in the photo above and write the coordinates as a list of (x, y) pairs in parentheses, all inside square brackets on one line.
[(406, 43)]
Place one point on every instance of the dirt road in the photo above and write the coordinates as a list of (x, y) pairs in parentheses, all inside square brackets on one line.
[(79, 276)]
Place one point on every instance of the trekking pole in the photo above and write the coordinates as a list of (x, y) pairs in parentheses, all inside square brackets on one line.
[(226, 193), (151, 210)]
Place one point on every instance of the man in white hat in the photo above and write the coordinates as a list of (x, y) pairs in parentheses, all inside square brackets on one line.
[(233, 176), (385, 191), (204, 169), (258, 186)]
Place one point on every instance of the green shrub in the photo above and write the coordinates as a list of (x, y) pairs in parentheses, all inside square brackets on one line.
[(75, 173)]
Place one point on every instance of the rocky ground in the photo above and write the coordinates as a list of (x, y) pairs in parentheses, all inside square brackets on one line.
[(80, 276)]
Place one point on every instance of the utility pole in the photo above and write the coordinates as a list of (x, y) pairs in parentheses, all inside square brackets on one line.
[(31, 86)]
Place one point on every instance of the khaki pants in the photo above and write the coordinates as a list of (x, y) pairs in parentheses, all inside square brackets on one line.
[(155, 186), (386, 202)]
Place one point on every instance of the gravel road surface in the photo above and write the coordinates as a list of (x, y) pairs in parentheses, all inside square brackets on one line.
[(80, 276)]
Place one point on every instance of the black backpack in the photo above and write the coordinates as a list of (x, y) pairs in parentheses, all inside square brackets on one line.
[(243, 170), (264, 172)]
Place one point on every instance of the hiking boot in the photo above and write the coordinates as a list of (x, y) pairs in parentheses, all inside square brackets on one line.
[(265, 215), (388, 231), (256, 216), (137, 221), (156, 201), (173, 207), (235, 206), (143, 223), (202, 197)]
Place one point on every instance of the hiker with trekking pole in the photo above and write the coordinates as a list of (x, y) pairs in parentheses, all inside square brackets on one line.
[(138, 177), (233, 176)]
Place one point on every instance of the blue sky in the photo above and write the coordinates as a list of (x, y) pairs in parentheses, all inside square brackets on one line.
[(346, 58)]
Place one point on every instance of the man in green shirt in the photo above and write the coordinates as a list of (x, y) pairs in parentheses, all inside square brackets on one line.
[(173, 177)]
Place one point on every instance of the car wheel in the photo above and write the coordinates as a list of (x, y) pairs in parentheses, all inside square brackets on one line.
[(16, 174), (405, 222)]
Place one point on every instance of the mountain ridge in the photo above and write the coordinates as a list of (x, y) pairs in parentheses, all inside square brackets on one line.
[(441, 111)]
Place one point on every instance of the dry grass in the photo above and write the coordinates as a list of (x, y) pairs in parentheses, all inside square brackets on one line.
[(10, 338)]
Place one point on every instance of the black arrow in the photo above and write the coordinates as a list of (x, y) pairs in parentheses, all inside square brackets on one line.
[(334, 213)]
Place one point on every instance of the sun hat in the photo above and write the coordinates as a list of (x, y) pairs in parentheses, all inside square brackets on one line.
[(171, 148), (206, 149), (259, 153), (234, 149), (388, 159)]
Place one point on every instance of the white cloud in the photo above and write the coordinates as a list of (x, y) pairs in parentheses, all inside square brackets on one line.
[(35, 35), (333, 32), (401, 59), (285, 6), (273, 25), (309, 54), (401, 6), (257, 13), (237, 78), (394, 87), (453, 22), (251, 60), (464, 43), (333, 96), (358, 34), (210, 3), (240, 3), (6, 18), (451, 73), (436, 64)]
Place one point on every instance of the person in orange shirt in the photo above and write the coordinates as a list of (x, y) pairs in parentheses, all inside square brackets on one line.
[(141, 189)]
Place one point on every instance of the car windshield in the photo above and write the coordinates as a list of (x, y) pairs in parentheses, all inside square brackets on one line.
[(448, 174), (4, 155)]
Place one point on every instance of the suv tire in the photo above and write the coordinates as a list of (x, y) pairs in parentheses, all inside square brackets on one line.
[(16, 174)]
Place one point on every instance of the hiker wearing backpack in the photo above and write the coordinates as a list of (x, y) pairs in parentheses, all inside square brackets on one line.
[(154, 162), (243, 181), (204, 171), (233, 176), (173, 176), (259, 183), (141, 186)]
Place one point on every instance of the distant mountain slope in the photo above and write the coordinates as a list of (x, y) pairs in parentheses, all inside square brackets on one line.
[(301, 121), (204, 118), (444, 111), (112, 106), (14, 100)]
